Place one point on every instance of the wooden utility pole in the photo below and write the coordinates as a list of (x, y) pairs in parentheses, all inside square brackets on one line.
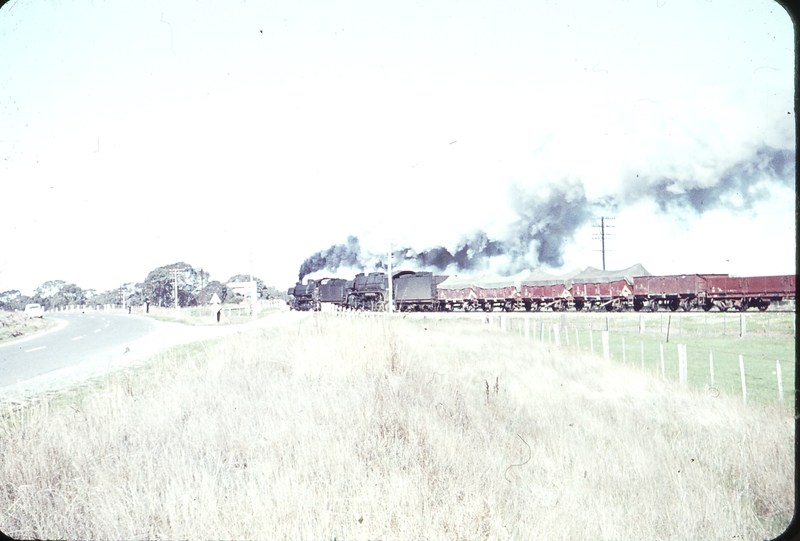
[(603, 234), (175, 285)]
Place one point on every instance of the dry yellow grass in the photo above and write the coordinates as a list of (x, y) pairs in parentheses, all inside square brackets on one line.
[(366, 428), (17, 325)]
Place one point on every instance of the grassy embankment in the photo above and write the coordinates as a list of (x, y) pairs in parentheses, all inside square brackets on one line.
[(15, 325), (353, 427)]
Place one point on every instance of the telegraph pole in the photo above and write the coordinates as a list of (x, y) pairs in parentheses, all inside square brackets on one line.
[(603, 226), (603, 239), (391, 304), (175, 288)]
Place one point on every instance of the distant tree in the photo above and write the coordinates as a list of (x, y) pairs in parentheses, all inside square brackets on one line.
[(271, 292), (69, 294), (110, 296), (160, 290), (14, 300), (45, 293)]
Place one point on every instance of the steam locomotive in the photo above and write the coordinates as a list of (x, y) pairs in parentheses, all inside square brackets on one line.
[(581, 290)]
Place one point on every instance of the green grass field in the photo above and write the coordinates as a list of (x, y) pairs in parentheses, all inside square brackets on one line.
[(769, 337)]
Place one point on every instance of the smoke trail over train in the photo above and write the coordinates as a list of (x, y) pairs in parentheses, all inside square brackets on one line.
[(547, 218)]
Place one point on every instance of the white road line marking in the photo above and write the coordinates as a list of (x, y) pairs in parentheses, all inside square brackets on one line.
[(98, 330), (34, 349), (78, 337)]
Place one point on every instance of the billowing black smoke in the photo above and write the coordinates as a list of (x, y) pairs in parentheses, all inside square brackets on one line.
[(739, 187), (338, 255), (546, 224), (548, 219), (472, 253)]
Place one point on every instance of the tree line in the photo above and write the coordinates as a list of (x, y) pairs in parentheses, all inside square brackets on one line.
[(195, 288)]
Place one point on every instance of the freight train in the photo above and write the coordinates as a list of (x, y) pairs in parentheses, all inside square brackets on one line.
[(582, 290)]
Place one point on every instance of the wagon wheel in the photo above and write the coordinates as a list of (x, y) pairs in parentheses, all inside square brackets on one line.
[(653, 306), (467, 307), (744, 305), (763, 307), (707, 306), (579, 306), (527, 306), (488, 306), (509, 306)]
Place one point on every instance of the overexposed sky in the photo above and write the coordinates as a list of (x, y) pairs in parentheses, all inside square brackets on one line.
[(246, 136)]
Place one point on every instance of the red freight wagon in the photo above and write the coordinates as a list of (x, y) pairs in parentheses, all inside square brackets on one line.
[(611, 295), (555, 296), (684, 291), (455, 292), (464, 297), (727, 292), (490, 296)]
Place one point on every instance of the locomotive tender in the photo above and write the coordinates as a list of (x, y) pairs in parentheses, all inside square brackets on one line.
[(589, 289)]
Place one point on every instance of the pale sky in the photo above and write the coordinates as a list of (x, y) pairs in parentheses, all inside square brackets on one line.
[(246, 136)]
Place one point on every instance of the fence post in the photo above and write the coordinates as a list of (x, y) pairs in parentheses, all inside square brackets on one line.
[(711, 365), (557, 335), (624, 360), (577, 339), (742, 325), (542, 332), (527, 329), (566, 335), (683, 373), (606, 352), (744, 384), (502, 323), (663, 373), (641, 343), (641, 324), (780, 379), (591, 340)]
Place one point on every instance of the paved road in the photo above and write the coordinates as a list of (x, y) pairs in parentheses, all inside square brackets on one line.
[(90, 344), (79, 338)]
